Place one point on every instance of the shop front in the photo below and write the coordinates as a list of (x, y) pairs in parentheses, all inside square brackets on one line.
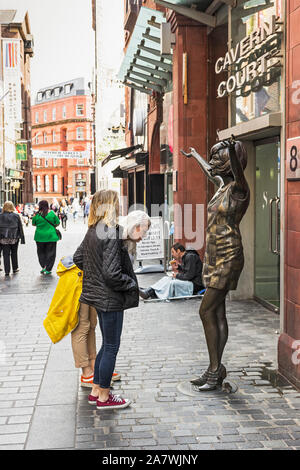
[(81, 186), (13, 186)]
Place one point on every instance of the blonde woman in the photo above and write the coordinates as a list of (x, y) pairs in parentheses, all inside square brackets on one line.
[(110, 286), (11, 232)]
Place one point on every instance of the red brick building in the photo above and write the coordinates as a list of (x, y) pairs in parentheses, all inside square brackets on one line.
[(62, 126)]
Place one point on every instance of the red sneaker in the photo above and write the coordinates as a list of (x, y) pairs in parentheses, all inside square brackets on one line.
[(114, 402), (92, 400)]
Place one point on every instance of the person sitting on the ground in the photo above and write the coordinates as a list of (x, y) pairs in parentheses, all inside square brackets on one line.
[(186, 282)]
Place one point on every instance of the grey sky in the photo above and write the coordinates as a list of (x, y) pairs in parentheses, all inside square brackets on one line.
[(63, 38)]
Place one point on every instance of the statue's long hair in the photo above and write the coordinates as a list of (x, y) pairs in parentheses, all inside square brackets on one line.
[(221, 158)]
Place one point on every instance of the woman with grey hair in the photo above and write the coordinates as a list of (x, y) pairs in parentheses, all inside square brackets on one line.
[(135, 226)]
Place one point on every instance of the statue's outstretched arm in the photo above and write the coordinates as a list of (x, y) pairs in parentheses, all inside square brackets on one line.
[(206, 168)]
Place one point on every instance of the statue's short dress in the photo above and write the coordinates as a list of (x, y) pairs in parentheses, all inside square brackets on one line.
[(224, 257)]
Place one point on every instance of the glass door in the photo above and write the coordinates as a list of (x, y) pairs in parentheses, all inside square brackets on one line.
[(267, 223)]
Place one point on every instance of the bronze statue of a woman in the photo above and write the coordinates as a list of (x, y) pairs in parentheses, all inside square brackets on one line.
[(224, 258)]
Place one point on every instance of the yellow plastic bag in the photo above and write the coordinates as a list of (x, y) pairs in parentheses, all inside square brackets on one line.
[(62, 316)]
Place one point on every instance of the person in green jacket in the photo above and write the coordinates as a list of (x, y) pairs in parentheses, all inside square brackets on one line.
[(45, 236)]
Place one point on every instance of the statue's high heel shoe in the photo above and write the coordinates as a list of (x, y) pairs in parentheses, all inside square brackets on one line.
[(203, 378), (214, 379)]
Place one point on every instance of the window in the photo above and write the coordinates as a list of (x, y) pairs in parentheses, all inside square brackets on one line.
[(47, 188), (45, 116), (56, 91), (40, 96), (46, 163), (54, 162), (48, 94), (79, 109), (53, 136), (67, 89), (64, 112), (36, 137), (37, 117), (80, 162), (53, 114), (45, 137), (79, 133), (55, 183), (38, 162), (38, 184)]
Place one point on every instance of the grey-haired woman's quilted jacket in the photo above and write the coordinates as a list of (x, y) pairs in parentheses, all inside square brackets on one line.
[(109, 282)]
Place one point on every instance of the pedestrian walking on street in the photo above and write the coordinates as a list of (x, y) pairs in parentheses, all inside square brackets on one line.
[(109, 285), (11, 232), (86, 208), (62, 214), (46, 236), (75, 208)]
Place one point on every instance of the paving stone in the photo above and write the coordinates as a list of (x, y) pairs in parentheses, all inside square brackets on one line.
[(223, 446), (14, 428), (275, 444), (142, 442), (19, 419), (19, 438), (250, 445), (207, 439)]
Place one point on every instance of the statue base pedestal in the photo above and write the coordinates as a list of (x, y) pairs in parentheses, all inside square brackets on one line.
[(186, 388)]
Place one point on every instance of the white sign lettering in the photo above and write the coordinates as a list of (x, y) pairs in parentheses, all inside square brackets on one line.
[(254, 62), (58, 154)]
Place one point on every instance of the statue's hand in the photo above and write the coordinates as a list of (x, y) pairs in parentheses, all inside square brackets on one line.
[(188, 155), (230, 143)]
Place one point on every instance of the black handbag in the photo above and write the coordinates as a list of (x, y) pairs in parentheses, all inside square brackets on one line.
[(58, 232), (131, 299)]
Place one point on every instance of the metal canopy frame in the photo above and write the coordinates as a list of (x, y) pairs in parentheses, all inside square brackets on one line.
[(205, 17), (197, 15), (119, 153), (144, 68)]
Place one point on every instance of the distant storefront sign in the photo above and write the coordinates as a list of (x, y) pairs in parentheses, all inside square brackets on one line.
[(80, 184), (293, 159), (59, 154), (12, 80), (15, 174), (152, 246), (21, 151), (254, 62)]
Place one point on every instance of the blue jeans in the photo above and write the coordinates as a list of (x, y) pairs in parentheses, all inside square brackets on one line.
[(167, 287), (111, 324)]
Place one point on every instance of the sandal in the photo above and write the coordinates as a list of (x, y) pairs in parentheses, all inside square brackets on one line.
[(214, 379), (203, 378)]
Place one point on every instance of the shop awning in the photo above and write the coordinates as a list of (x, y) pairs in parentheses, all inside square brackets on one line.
[(118, 173), (144, 67), (201, 11), (119, 153)]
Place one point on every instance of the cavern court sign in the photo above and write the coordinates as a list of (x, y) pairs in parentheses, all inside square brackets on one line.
[(254, 62)]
